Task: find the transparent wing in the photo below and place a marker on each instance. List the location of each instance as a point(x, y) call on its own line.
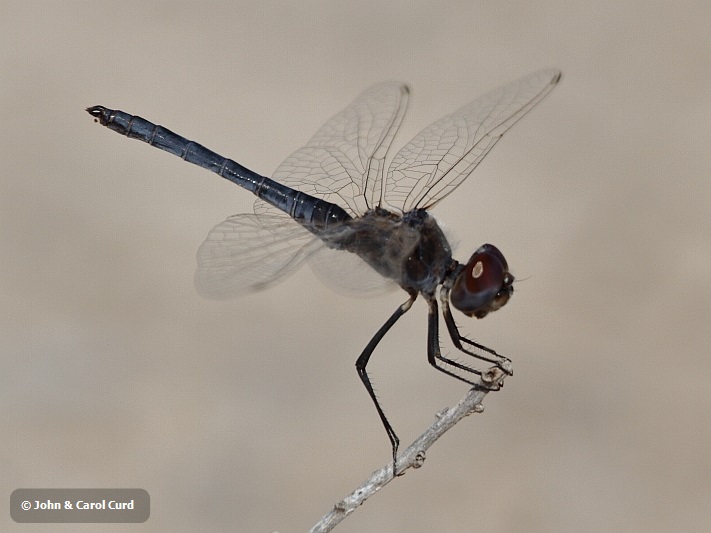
point(442, 155)
point(248, 253)
point(344, 162)
point(346, 273)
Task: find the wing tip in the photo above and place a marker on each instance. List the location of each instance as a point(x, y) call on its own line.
point(555, 75)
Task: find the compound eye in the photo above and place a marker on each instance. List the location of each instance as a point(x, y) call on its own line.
point(484, 285)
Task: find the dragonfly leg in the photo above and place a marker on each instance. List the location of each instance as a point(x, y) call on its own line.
point(434, 353)
point(362, 362)
point(504, 363)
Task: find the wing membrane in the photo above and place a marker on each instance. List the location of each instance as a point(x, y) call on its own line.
point(247, 253)
point(344, 162)
point(442, 155)
point(348, 274)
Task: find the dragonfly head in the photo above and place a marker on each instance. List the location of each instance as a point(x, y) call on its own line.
point(484, 285)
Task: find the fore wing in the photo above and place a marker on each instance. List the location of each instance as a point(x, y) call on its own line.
point(442, 155)
point(344, 162)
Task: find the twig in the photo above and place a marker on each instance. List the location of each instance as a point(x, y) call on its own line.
point(414, 455)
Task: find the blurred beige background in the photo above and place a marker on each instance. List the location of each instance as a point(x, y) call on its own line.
point(248, 415)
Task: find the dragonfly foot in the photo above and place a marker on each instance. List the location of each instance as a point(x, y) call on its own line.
point(505, 366)
point(493, 379)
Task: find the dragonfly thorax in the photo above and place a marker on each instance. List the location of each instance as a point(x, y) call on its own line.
point(409, 249)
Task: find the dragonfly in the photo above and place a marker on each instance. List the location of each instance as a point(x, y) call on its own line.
point(335, 202)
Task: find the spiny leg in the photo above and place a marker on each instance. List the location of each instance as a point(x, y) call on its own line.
point(434, 353)
point(502, 362)
point(362, 362)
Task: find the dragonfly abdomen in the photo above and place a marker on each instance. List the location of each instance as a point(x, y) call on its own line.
point(311, 212)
